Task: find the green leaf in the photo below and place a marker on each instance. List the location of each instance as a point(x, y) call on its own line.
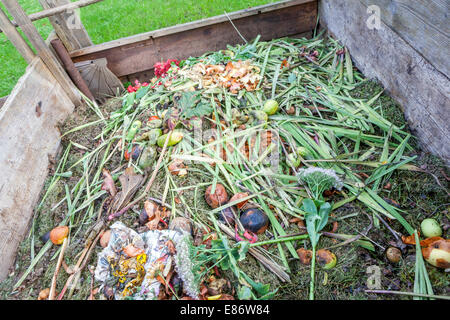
point(192, 106)
point(130, 98)
point(324, 212)
point(309, 206)
point(245, 293)
point(142, 92)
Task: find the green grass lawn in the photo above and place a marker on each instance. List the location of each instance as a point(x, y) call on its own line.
point(114, 19)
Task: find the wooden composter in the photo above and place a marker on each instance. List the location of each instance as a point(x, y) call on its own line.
point(403, 44)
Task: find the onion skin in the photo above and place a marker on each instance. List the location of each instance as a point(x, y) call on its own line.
point(104, 240)
point(131, 251)
point(58, 234)
point(254, 220)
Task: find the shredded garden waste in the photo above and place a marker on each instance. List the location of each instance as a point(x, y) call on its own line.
point(242, 152)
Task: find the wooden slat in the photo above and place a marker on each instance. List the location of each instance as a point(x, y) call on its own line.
point(67, 23)
point(69, 6)
point(190, 25)
point(42, 49)
point(16, 39)
point(28, 125)
point(424, 24)
point(3, 100)
point(288, 18)
point(420, 88)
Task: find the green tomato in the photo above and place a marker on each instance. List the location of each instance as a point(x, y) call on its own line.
point(431, 228)
point(270, 107)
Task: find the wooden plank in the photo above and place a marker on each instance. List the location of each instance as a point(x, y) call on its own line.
point(421, 89)
point(28, 125)
point(16, 39)
point(67, 23)
point(190, 25)
point(3, 100)
point(42, 49)
point(424, 24)
point(69, 6)
point(140, 56)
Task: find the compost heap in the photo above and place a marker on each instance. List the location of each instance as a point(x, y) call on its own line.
point(276, 144)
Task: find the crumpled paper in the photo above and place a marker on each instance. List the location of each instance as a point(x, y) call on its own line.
point(136, 277)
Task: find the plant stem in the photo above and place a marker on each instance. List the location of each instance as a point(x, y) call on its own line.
point(261, 243)
point(313, 267)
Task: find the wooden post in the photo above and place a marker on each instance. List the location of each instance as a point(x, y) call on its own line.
point(68, 26)
point(42, 49)
point(16, 39)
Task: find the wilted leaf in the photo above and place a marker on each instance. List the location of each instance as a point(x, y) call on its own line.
point(130, 182)
point(108, 183)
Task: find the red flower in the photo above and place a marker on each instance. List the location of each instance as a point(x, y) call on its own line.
point(162, 68)
point(131, 89)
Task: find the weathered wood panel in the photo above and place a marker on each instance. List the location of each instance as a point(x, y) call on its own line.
point(424, 24)
point(68, 25)
point(421, 89)
point(42, 49)
point(28, 122)
point(2, 101)
point(139, 53)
